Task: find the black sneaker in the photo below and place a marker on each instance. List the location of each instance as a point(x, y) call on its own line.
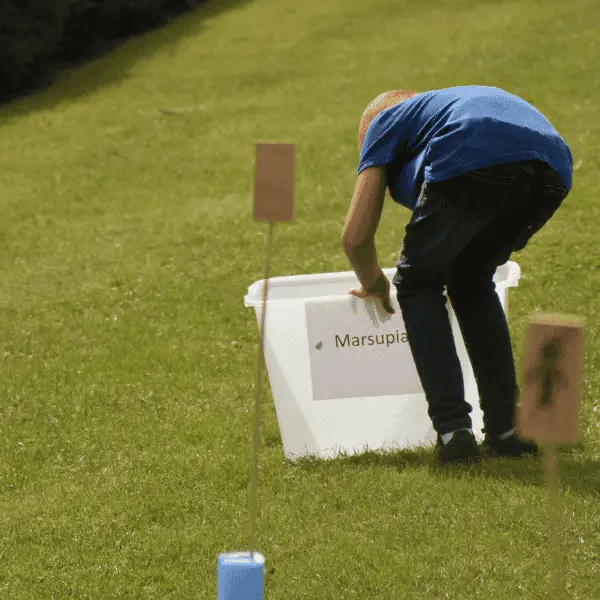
point(512, 446)
point(461, 448)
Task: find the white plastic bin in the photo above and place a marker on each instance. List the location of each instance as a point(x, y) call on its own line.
point(341, 372)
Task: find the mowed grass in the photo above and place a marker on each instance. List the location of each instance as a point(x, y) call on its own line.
point(128, 358)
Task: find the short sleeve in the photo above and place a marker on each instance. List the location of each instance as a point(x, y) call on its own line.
point(384, 138)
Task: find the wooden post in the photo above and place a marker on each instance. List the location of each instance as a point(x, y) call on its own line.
point(241, 575)
point(273, 201)
point(549, 410)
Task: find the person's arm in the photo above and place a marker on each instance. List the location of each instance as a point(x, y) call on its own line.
point(362, 221)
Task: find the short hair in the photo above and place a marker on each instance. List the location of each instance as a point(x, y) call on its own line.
point(381, 102)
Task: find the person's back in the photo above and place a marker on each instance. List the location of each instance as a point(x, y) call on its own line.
point(440, 134)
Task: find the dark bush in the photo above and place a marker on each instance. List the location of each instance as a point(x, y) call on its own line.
point(85, 26)
point(30, 33)
point(92, 22)
point(36, 33)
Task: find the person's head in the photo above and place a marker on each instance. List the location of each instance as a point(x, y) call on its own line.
point(381, 102)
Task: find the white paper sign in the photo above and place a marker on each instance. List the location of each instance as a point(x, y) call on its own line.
point(356, 351)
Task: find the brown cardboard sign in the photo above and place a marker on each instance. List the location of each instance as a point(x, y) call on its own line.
point(274, 182)
point(549, 410)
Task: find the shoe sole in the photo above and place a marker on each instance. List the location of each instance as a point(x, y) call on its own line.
point(460, 461)
point(492, 455)
point(469, 458)
point(490, 452)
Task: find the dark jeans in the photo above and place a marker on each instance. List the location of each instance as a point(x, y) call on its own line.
point(460, 231)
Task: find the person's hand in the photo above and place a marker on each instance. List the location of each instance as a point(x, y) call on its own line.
point(379, 289)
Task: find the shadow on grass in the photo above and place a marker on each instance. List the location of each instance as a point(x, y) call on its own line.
point(70, 81)
point(576, 471)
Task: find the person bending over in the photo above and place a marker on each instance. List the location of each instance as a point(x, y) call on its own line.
point(483, 171)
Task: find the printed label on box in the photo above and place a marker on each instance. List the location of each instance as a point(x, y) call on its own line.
point(357, 351)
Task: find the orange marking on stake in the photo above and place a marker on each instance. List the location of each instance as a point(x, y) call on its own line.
point(274, 182)
point(549, 411)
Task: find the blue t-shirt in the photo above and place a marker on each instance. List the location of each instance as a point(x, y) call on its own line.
point(441, 134)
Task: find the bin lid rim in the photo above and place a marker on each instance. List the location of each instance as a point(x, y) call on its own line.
point(513, 273)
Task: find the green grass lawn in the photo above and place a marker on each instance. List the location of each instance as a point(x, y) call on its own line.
point(128, 358)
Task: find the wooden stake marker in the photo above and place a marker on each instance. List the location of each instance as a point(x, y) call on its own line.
point(549, 410)
point(241, 575)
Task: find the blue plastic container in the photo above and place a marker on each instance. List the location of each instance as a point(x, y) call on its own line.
point(241, 576)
